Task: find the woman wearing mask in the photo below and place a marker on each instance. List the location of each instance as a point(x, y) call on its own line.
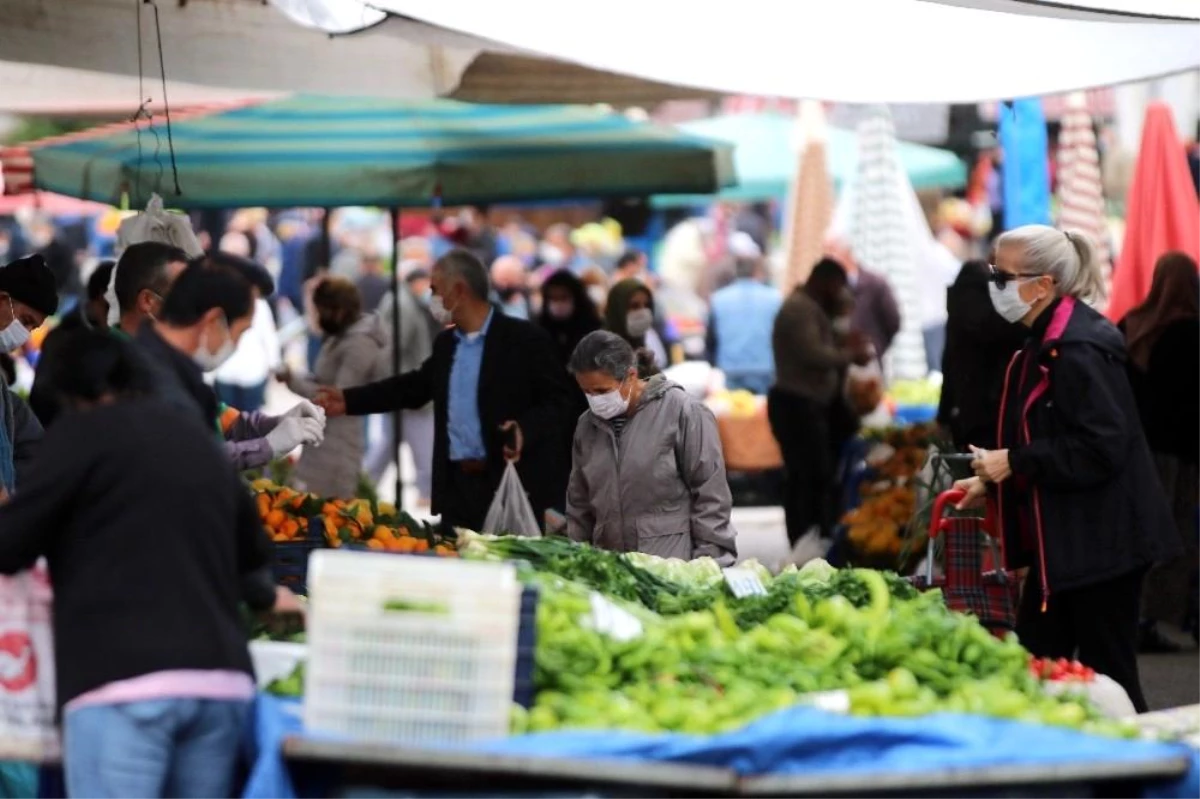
point(1163, 335)
point(648, 473)
point(630, 314)
point(1072, 477)
point(568, 313)
point(354, 352)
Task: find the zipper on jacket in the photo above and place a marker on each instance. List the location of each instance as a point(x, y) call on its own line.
point(1037, 526)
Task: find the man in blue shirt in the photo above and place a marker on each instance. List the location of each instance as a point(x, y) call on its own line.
point(499, 392)
point(739, 328)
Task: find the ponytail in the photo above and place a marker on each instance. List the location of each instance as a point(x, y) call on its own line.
point(1087, 283)
point(646, 365)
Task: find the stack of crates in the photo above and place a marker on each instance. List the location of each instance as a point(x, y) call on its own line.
point(411, 650)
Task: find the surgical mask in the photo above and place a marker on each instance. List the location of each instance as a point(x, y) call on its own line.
point(208, 360)
point(517, 309)
point(552, 255)
point(841, 325)
point(639, 322)
point(1007, 301)
point(560, 309)
point(441, 314)
point(15, 335)
point(608, 405)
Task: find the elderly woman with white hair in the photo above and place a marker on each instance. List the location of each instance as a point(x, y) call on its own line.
point(648, 470)
point(1072, 479)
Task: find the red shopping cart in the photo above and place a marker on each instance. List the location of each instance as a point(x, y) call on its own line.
point(974, 578)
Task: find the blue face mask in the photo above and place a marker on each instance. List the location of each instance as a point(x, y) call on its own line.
point(517, 308)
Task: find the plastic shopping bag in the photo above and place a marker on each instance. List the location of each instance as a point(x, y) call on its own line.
point(511, 513)
point(27, 696)
point(153, 224)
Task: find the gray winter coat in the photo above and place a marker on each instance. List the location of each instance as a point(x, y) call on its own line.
point(662, 489)
point(353, 358)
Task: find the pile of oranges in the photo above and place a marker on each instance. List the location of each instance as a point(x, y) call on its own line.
point(284, 513)
point(357, 521)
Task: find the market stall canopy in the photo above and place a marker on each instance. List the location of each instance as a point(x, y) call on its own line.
point(901, 50)
point(766, 149)
point(1115, 10)
point(313, 150)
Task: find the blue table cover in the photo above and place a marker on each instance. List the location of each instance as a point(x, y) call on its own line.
point(795, 741)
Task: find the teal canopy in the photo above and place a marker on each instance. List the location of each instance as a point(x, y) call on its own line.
point(323, 151)
point(765, 158)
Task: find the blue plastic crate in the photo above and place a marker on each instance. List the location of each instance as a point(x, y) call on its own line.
point(524, 691)
point(915, 414)
point(289, 562)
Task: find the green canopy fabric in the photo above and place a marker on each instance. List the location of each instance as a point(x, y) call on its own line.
point(765, 159)
point(320, 151)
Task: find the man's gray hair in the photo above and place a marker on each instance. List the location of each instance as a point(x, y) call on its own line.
point(602, 351)
point(463, 265)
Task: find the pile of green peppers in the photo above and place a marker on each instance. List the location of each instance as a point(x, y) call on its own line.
point(896, 652)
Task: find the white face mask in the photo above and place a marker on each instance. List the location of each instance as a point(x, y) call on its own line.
point(552, 255)
point(560, 309)
point(15, 335)
point(1008, 302)
point(208, 360)
point(608, 405)
point(441, 314)
point(639, 322)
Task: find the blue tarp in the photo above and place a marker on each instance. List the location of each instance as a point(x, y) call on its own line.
point(796, 741)
point(1025, 170)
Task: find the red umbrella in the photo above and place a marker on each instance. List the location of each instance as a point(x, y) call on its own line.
point(1161, 211)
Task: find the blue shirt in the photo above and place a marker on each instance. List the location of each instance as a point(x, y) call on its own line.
point(462, 412)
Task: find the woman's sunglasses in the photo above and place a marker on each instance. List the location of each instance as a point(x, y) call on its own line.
point(1001, 279)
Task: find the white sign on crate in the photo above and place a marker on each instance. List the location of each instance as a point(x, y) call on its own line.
point(615, 622)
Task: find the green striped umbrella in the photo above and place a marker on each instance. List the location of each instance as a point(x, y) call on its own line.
point(323, 151)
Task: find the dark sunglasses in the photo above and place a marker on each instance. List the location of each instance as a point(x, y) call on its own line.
point(1001, 279)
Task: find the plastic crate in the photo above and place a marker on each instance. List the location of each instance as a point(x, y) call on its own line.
point(437, 667)
point(915, 414)
point(290, 561)
point(275, 660)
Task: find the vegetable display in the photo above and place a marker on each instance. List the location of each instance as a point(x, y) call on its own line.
point(700, 660)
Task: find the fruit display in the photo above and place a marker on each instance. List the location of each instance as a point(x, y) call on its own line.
point(740, 404)
point(284, 511)
point(702, 670)
point(875, 528)
point(1061, 670)
point(915, 392)
point(378, 525)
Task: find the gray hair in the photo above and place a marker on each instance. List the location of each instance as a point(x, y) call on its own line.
point(602, 351)
point(1069, 257)
point(462, 265)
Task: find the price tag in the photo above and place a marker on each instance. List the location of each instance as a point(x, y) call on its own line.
point(613, 621)
point(743, 582)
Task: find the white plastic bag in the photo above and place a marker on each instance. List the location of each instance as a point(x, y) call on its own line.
point(27, 697)
point(511, 513)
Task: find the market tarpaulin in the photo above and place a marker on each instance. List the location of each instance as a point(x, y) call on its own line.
point(810, 201)
point(1025, 171)
point(879, 216)
point(1080, 193)
point(766, 151)
point(315, 150)
point(1161, 211)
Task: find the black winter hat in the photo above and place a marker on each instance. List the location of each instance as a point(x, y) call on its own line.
point(30, 282)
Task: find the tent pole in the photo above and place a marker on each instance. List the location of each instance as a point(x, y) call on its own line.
point(397, 415)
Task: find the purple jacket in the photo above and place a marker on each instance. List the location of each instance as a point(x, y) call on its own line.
point(245, 440)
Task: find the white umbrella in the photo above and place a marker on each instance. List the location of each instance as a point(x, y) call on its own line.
point(1080, 193)
point(879, 216)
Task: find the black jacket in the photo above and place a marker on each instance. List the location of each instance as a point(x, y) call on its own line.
point(1168, 392)
point(41, 395)
point(520, 379)
point(979, 344)
point(1084, 490)
point(146, 528)
point(178, 381)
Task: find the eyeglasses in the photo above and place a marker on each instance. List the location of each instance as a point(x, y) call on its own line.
point(1001, 279)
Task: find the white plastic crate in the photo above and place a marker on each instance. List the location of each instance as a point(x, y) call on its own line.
point(436, 668)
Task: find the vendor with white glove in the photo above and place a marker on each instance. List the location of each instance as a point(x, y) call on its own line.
point(198, 325)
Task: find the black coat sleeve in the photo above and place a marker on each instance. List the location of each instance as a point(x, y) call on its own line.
point(1094, 423)
point(549, 417)
point(46, 495)
point(253, 550)
point(403, 392)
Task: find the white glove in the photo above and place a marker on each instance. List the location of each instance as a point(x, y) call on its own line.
point(306, 410)
point(291, 433)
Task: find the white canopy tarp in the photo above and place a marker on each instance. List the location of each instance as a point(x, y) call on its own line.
point(860, 51)
point(1092, 9)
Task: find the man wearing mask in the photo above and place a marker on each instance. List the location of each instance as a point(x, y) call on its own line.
point(498, 392)
point(213, 311)
point(810, 358)
point(28, 295)
point(508, 278)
